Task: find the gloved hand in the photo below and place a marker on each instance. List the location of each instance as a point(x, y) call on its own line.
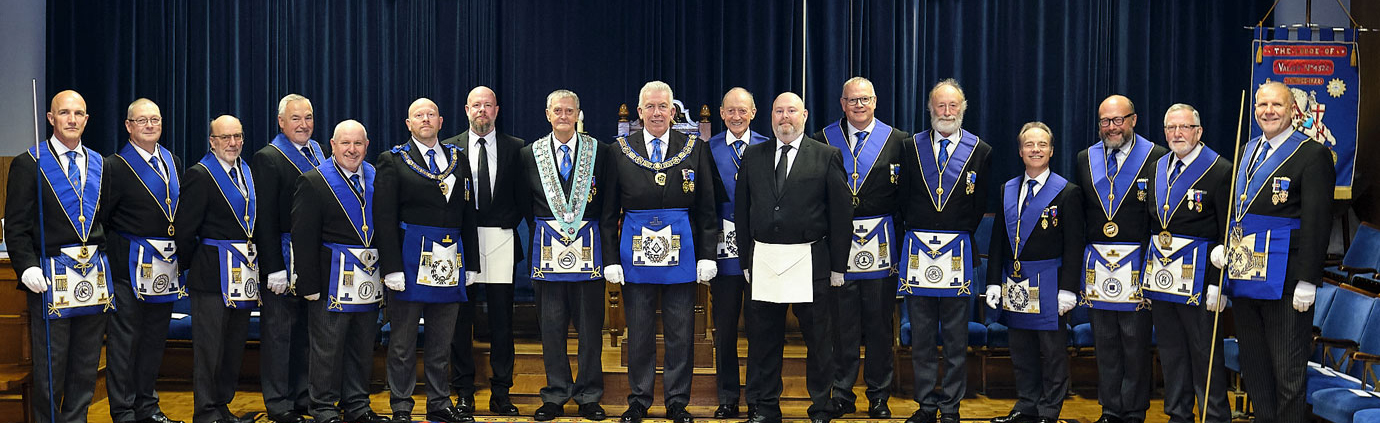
point(470, 277)
point(1304, 293)
point(614, 273)
point(1214, 301)
point(395, 281)
point(313, 297)
point(707, 270)
point(993, 296)
point(1218, 256)
point(747, 275)
point(1066, 301)
point(34, 279)
point(278, 282)
point(835, 279)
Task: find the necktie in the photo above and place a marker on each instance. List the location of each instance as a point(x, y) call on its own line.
point(354, 183)
point(431, 162)
point(943, 152)
point(1029, 193)
point(153, 161)
point(857, 145)
point(311, 158)
point(738, 148)
point(485, 192)
point(782, 165)
point(1259, 159)
point(566, 165)
point(73, 174)
point(1111, 163)
point(656, 150)
point(1178, 167)
point(235, 179)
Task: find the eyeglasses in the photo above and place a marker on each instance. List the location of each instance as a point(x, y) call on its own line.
point(1176, 128)
point(1114, 121)
point(236, 137)
point(146, 121)
point(860, 101)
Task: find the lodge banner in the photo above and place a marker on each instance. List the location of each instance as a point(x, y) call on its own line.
point(1321, 67)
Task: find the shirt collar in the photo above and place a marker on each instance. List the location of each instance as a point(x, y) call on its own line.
point(795, 144)
point(665, 138)
point(953, 138)
point(729, 138)
point(556, 142)
point(488, 138)
point(144, 154)
point(1188, 159)
point(871, 126)
point(347, 173)
point(1279, 139)
point(1041, 178)
point(62, 149)
point(422, 148)
point(228, 165)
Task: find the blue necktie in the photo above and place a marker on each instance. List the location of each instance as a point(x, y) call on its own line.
point(73, 174)
point(738, 148)
point(857, 146)
point(1259, 159)
point(153, 161)
point(431, 161)
point(943, 152)
point(235, 179)
point(354, 183)
point(1029, 194)
point(656, 150)
point(311, 158)
point(1178, 167)
point(566, 165)
point(1111, 164)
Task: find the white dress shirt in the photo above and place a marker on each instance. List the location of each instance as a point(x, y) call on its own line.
point(790, 157)
point(441, 163)
point(65, 161)
point(491, 155)
point(1039, 185)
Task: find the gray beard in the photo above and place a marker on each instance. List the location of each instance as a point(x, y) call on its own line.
point(1108, 143)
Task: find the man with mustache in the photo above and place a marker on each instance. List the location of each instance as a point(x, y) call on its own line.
point(1188, 208)
point(494, 163)
point(866, 298)
point(283, 325)
point(949, 166)
point(1115, 174)
point(215, 223)
point(792, 207)
point(667, 243)
point(1278, 235)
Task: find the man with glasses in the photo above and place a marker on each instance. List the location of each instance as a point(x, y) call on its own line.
point(142, 199)
point(215, 224)
point(283, 325)
point(493, 161)
point(865, 301)
point(1115, 173)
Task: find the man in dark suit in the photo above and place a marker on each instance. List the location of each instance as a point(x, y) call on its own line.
point(728, 290)
point(427, 245)
point(1036, 251)
point(1273, 288)
point(61, 263)
point(1188, 209)
point(667, 243)
point(283, 325)
point(493, 162)
point(142, 197)
point(949, 166)
point(793, 207)
point(1115, 174)
point(333, 229)
point(568, 191)
point(215, 223)
point(866, 302)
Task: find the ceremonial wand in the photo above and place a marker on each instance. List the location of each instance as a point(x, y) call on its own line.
point(1222, 276)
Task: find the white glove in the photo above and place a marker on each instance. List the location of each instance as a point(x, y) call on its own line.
point(835, 279)
point(1304, 294)
point(34, 279)
point(707, 269)
point(278, 282)
point(747, 275)
point(313, 297)
point(395, 281)
point(1066, 301)
point(1218, 256)
point(993, 296)
point(614, 273)
point(1215, 302)
point(470, 277)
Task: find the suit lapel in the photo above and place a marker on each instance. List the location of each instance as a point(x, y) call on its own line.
point(638, 144)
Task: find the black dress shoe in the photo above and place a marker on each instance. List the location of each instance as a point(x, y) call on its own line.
point(449, 415)
point(1044, 420)
point(634, 414)
point(592, 411)
point(1107, 419)
point(877, 409)
point(921, 416)
point(820, 418)
point(757, 418)
point(842, 408)
point(678, 414)
point(726, 411)
point(159, 418)
point(335, 419)
point(465, 404)
point(501, 405)
point(402, 417)
point(287, 417)
point(548, 411)
point(371, 417)
point(1014, 417)
point(752, 411)
point(948, 418)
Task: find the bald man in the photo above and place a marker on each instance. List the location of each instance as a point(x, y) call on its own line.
point(62, 265)
point(427, 240)
point(338, 273)
point(215, 229)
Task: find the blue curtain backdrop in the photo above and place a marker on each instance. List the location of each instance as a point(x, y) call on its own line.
point(367, 60)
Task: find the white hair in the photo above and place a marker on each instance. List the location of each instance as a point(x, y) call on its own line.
point(282, 104)
point(1197, 120)
point(655, 86)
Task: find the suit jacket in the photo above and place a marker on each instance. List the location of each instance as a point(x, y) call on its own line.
point(317, 219)
point(275, 179)
point(503, 211)
point(815, 206)
point(133, 210)
point(1062, 241)
point(878, 195)
point(403, 195)
point(202, 212)
point(21, 216)
point(1310, 200)
point(1209, 221)
point(963, 211)
point(602, 205)
point(639, 191)
point(1130, 217)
